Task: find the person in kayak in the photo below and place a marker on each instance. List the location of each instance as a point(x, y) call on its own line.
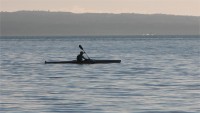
point(80, 57)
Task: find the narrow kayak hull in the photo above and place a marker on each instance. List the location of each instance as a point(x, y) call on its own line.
point(84, 62)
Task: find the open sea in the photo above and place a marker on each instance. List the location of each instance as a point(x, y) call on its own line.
point(158, 74)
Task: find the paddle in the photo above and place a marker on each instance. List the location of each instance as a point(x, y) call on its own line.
point(84, 51)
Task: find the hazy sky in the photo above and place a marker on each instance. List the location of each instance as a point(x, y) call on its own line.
point(177, 7)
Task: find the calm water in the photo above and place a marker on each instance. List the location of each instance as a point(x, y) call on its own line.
point(158, 74)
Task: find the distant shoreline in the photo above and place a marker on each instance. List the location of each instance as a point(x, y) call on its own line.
point(44, 23)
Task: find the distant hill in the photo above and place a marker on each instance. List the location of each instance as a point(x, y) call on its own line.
point(41, 23)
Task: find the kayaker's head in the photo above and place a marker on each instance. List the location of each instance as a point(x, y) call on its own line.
point(81, 53)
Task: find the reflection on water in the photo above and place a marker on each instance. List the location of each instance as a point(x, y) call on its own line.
point(155, 75)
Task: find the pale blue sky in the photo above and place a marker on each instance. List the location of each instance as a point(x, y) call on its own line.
point(176, 7)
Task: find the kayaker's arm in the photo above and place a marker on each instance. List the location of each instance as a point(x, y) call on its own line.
point(83, 51)
point(84, 58)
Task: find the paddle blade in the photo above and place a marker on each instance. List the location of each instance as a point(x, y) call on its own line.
point(80, 47)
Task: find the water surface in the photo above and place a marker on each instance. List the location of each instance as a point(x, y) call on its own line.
point(158, 74)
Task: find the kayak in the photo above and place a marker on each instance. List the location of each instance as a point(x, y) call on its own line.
point(84, 62)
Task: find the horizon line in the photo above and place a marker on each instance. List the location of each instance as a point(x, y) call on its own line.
point(99, 35)
point(97, 12)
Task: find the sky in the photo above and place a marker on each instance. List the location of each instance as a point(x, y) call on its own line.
point(175, 7)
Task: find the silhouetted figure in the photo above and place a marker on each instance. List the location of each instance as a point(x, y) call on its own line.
point(80, 57)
